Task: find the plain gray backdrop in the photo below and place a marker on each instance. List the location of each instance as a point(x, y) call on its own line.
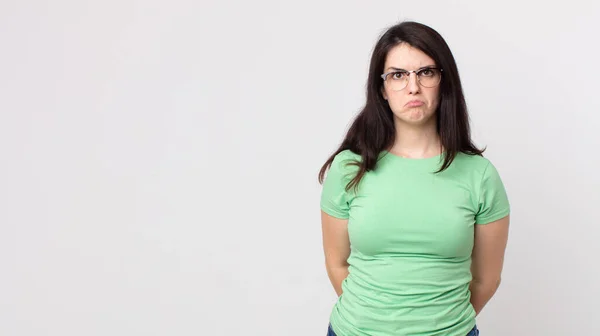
point(159, 159)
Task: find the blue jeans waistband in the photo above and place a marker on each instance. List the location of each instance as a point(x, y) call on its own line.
point(473, 332)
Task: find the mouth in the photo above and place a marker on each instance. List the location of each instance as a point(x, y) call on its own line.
point(415, 103)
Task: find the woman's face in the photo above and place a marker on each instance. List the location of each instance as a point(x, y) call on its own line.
point(415, 103)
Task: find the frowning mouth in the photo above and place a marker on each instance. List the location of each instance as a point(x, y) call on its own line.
point(415, 103)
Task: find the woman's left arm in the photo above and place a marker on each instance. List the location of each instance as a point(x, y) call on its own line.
point(487, 261)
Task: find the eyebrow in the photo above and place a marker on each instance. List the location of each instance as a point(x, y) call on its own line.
point(400, 69)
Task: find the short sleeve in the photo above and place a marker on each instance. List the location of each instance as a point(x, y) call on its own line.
point(335, 200)
point(493, 199)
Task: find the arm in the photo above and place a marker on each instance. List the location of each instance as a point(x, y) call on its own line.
point(487, 261)
point(336, 246)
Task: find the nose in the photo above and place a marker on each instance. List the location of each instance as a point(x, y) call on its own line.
point(413, 84)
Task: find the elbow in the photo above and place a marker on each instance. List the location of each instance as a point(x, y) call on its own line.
point(334, 261)
point(492, 284)
point(335, 264)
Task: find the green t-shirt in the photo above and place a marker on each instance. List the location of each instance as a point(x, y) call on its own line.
point(411, 236)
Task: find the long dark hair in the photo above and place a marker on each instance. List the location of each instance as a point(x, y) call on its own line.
point(373, 130)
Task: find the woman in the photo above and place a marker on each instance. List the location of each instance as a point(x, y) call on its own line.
point(415, 220)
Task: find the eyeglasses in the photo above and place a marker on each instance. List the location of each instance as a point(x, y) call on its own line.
point(398, 79)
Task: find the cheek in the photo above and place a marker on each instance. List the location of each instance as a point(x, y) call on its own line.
point(395, 101)
point(386, 93)
point(434, 103)
point(434, 99)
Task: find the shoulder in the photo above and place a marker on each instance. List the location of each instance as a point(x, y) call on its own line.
point(478, 170)
point(345, 159)
point(476, 164)
point(472, 159)
point(343, 167)
point(347, 154)
point(481, 171)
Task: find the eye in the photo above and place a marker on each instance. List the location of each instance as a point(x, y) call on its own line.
point(426, 72)
point(398, 75)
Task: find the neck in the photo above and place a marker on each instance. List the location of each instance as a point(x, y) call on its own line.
point(417, 142)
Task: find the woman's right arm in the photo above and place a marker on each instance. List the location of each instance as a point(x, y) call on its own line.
point(336, 246)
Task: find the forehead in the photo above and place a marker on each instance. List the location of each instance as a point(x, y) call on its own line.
point(406, 57)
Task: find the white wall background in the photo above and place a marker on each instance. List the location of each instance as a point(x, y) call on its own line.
point(159, 159)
